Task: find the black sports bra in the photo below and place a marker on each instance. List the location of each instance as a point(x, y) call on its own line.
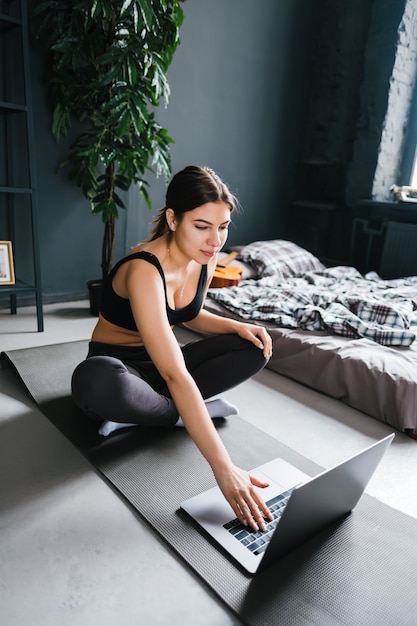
point(118, 311)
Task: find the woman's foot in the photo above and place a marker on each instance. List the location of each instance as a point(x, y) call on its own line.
point(221, 408)
point(217, 408)
point(108, 427)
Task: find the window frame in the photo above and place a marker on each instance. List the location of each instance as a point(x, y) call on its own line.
point(408, 170)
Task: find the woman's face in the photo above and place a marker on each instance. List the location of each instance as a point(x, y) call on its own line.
point(202, 232)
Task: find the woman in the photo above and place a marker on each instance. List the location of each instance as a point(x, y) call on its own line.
point(137, 374)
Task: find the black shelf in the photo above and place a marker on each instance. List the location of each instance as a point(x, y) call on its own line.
point(9, 107)
point(8, 22)
point(16, 190)
point(19, 286)
point(18, 201)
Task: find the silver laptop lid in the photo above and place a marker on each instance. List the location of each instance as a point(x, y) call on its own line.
point(323, 499)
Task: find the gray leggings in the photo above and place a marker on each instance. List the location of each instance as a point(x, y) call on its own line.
point(123, 385)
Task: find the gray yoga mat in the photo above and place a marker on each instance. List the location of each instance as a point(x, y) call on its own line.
point(360, 571)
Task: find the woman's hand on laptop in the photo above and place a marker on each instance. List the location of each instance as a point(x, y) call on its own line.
point(239, 489)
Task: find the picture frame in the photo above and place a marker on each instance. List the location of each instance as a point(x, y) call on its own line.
point(7, 276)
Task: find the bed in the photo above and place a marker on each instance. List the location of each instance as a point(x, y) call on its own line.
point(350, 336)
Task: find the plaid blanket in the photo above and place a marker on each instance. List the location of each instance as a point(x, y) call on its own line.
point(337, 300)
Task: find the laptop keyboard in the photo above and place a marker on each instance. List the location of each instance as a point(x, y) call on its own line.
point(257, 541)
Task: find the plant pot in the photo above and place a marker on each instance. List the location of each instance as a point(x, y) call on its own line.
point(95, 289)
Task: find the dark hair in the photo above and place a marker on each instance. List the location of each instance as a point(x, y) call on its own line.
point(189, 189)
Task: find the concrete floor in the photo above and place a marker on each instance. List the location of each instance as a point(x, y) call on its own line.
point(73, 553)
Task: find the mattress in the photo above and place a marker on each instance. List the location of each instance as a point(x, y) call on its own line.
point(378, 380)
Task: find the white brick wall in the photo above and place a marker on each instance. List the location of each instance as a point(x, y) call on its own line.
point(398, 109)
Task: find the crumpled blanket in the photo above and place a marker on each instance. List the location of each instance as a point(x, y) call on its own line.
point(338, 300)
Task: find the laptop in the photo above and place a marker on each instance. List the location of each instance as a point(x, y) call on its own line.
point(302, 506)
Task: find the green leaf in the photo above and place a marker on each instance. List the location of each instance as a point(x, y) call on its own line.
point(125, 7)
point(124, 122)
point(132, 70)
point(145, 195)
point(95, 8)
point(147, 13)
point(136, 23)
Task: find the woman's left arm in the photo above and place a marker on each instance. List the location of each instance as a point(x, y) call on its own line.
point(212, 324)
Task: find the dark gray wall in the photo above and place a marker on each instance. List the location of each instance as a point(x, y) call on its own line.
point(235, 85)
point(236, 100)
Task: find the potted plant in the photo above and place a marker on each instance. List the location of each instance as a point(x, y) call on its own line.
point(107, 63)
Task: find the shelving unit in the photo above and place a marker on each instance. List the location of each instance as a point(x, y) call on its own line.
point(18, 205)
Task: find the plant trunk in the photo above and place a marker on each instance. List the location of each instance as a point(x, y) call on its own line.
point(108, 246)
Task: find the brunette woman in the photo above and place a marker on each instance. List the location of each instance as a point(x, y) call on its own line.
point(136, 373)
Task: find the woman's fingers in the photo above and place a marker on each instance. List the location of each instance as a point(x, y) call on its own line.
point(260, 503)
point(266, 342)
point(253, 516)
point(253, 512)
point(244, 499)
point(263, 340)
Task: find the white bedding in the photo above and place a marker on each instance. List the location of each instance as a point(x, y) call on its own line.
point(349, 336)
point(337, 300)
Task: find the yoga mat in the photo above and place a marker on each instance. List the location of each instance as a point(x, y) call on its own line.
point(358, 571)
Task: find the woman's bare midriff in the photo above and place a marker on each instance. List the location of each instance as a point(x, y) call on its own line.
point(106, 332)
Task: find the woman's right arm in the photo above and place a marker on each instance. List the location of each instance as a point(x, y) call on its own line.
point(149, 311)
